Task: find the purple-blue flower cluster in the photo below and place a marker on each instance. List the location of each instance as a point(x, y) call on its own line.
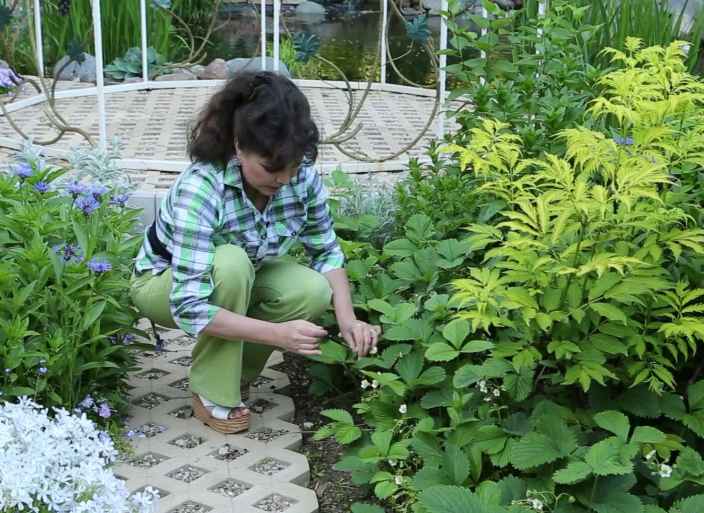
point(8, 78)
point(623, 141)
point(41, 187)
point(99, 266)
point(69, 252)
point(23, 170)
point(88, 204)
point(119, 200)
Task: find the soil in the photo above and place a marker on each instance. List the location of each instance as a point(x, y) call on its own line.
point(334, 488)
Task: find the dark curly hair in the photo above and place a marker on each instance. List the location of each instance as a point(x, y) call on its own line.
point(265, 113)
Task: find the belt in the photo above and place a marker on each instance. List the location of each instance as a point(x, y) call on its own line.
point(157, 246)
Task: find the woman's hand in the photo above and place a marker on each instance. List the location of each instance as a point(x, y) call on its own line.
point(301, 337)
point(360, 336)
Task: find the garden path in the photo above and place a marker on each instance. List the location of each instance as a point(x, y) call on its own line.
point(198, 470)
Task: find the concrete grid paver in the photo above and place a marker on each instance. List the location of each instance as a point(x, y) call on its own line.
point(260, 466)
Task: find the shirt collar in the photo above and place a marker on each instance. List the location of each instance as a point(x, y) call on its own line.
point(233, 174)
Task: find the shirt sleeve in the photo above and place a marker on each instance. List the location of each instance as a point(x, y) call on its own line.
point(318, 235)
point(194, 215)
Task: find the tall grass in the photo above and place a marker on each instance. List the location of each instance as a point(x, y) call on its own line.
point(654, 21)
point(121, 30)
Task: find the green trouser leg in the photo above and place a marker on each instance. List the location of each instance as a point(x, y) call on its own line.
point(279, 291)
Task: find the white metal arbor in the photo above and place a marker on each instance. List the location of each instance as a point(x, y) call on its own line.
point(100, 90)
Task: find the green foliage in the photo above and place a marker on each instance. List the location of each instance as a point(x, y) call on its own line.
point(533, 74)
point(130, 65)
point(544, 359)
point(65, 319)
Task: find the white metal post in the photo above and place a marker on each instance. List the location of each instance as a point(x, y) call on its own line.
point(263, 32)
point(541, 14)
point(38, 37)
point(485, 15)
point(98, 41)
point(384, 22)
point(277, 33)
point(443, 69)
point(143, 20)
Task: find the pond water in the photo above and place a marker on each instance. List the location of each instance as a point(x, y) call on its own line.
point(350, 41)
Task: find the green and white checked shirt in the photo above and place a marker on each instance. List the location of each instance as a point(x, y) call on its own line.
point(207, 207)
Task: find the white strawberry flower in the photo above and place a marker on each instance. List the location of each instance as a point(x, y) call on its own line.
point(398, 480)
point(403, 409)
point(365, 384)
point(375, 384)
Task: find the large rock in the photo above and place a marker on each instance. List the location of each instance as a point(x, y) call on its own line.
point(254, 64)
point(310, 8)
point(85, 72)
point(216, 70)
point(182, 74)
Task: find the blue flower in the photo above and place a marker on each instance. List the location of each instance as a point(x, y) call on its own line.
point(23, 170)
point(120, 200)
point(128, 339)
point(104, 410)
point(98, 191)
point(42, 370)
point(623, 141)
point(99, 266)
point(76, 188)
point(87, 402)
point(87, 203)
point(41, 187)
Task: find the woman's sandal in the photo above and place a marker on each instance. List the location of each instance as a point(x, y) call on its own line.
point(217, 417)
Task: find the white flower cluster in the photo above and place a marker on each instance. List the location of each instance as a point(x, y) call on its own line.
point(490, 392)
point(60, 464)
point(662, 470)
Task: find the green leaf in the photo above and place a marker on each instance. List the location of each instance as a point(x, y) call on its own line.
point(98, 365)
point(574, 472)
point(346, 434)
point(338, 415)
point(381, 306)
point(456, 331)
point(608, 457)
point(382, 441)
point(533, 450)
point(611, 312)
point(441, 352)
point(400, 248)
point(431, 376)
point(647, 435)
point(617, 502)
point(690, 462)
point(359, 507)
point(410, 366)
point(453, 499)
point(693, 504)
point(456, 464)
point(614, 422)
point(477, 346)
point(385, 489)
point(92, 314)
point(419, 228)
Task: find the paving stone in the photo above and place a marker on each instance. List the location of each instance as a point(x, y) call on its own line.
point(198, 469)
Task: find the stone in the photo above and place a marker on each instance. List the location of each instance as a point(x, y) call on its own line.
point(85, 71)
point(310, 8)
point(4, 64)
point(216, 70)
point(254, 64)
point(133, 80)
point(197, 70)
point(182, 74)
point(432, 6)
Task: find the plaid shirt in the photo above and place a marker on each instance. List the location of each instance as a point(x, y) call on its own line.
point(207, 207)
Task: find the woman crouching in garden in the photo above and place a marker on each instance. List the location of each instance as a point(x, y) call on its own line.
point(210, 262)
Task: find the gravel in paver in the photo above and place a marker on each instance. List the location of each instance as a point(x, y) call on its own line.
point(150, 429)
point(183, 340)
point(182, 412)
point(162, 493)
point(231, 488)
point(183, 361)
point(266, 434)
point(152, 373)
point(275, 503)
point(191, 507)
point(260, 405)
point(269, 466)
point(261, 381)
point(147, 460)
point(227, 452)
point(187, 473)
point(187, 441)
point(150, 400)
point(181, 384)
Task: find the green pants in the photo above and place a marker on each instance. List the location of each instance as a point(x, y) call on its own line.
point(279, 291)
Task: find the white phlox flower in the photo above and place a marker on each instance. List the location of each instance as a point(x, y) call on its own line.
point(60, 464)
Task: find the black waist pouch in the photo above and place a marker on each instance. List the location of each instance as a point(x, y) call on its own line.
point(157, 246)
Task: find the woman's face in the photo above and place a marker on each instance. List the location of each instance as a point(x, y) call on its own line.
point(259, 177)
